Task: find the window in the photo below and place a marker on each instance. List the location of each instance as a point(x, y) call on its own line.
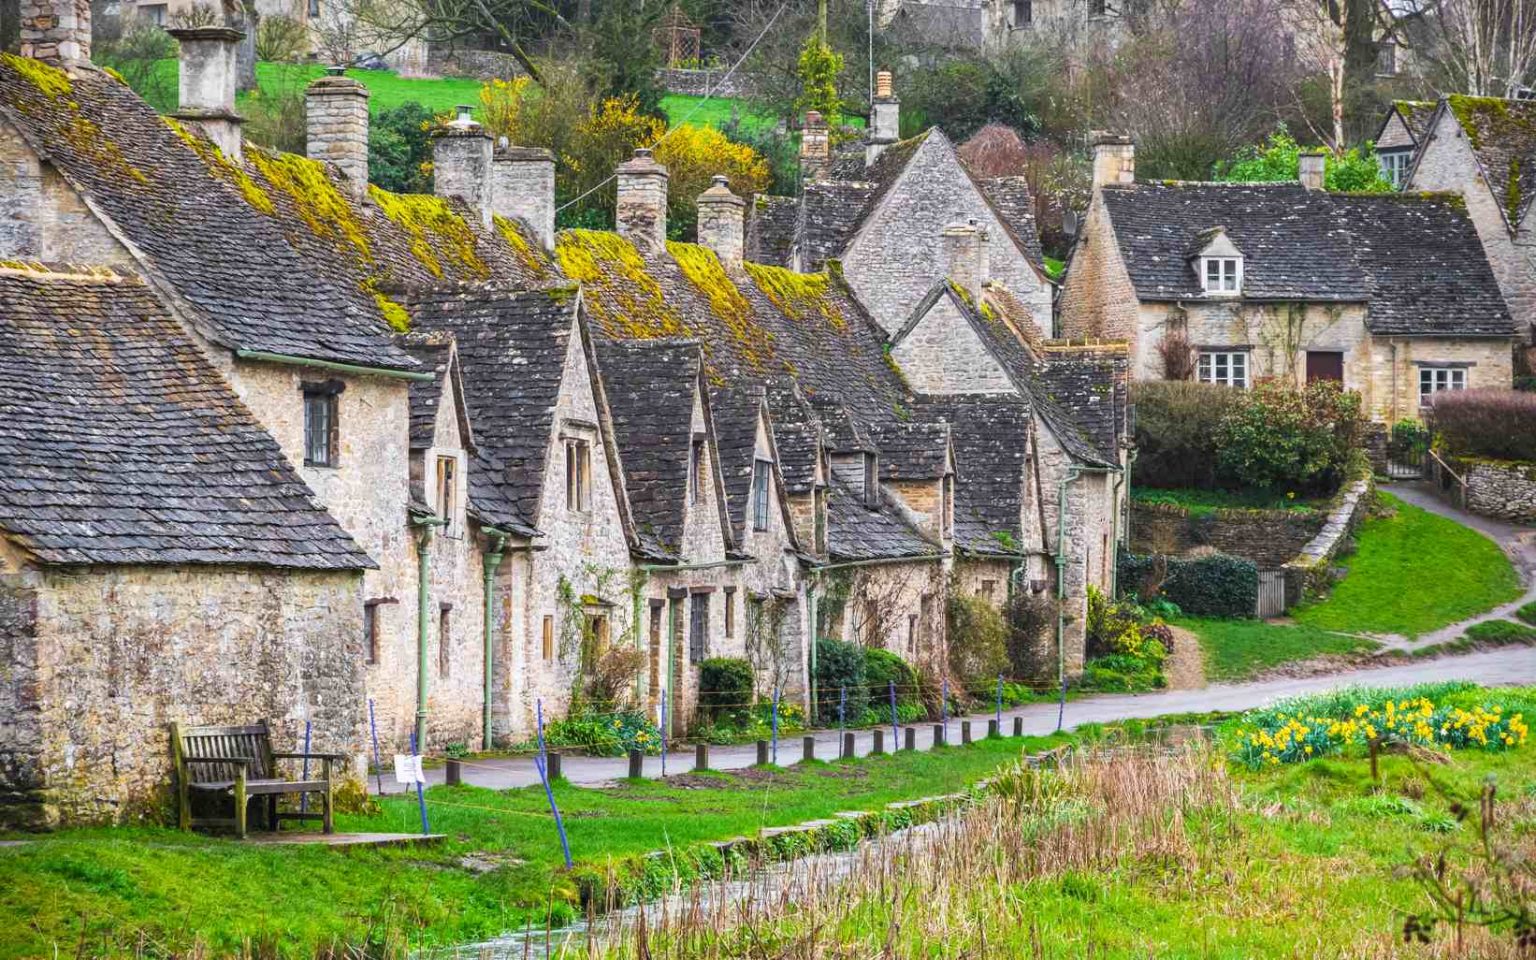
point(730, 612)
point(696, 471)
point(371, 630)
point(1223, 274)
point(444, 638)
point(154, 13)
point(548, 650)
point(1097, 8)
point(578, 475)
point(594, 636)
point(762, 473)
point(1023, 13)
point(314, 8)
point(1394, 165)
point(1433, 380)
point(819, 520)
point(698, 634)
point(871, 480)
point(320, 424)
point(947, 507)
point(989, 589)
point(447, 492)
point(1386, 59)
point(911, 633)
point(1226, 367)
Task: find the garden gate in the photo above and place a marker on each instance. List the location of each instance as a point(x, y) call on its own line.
point(1271, 593)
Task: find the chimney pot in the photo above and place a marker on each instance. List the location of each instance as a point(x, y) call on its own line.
point(883, 84)
point(722, 221)
point(208, 73)
point(1312, 166)
point(523, 188)
point(336, 127)
point(1114, 159)
point(642, 201)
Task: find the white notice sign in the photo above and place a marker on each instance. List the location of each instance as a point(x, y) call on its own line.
point(408, 770)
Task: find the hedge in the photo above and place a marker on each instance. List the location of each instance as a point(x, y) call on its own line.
point(1212, 586)
point(1176, 426)
point(881, 669)
point(1496, 424)
point(840, 665)
point(725, 685)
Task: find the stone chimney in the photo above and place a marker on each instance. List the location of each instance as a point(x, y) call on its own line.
point(1114, 159)
point(815, 148)
point(967, 260)
point(523, 188)
point(722, 221)
point(208, 75)
point(336, 126)
point(642, 201)
point(884, 118)
point(1312, 165)
point(461, 164)
point(57, 31)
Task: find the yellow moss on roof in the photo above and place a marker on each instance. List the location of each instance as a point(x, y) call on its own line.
point(221, 166)
point(798, 295)
point(394, 314)
point(421, 214)
point(511, 233)
point(628, 301)
point(316, 200)
point(702, 268)
point(50, 81)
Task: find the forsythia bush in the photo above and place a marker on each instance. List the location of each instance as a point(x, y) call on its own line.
point(692, 155)
point(1278, 737)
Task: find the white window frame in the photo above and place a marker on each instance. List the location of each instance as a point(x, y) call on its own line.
point(1394, 166)
point(1228, 278)
point(1229, 368)
point(762, 497)
point(1433, 380)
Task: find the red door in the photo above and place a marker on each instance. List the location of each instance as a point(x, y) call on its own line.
point(1325, 365)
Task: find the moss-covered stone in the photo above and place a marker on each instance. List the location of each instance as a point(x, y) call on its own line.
point(224, 169)
point(633, 307)
point(426, 218)
point(316, 201)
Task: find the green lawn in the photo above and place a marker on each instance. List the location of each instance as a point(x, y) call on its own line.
point(1202, 503)
point(1413, 572)
point(1239, 649)
point(387, 90)
point(110, 885)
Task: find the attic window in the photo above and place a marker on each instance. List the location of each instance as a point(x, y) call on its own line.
point(871, 480)
point(320, 403)
point(447, 493)
point(1394, 165)
point(578, 475)
point(1222, 275)
point(696, 471)
point(762, 472)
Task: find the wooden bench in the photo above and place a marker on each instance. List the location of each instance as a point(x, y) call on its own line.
point(239, 761)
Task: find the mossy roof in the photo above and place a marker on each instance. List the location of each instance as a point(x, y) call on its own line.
point(1502, 134)
point(1416, 116)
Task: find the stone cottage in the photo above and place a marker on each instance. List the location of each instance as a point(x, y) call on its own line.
point(1389, 294)
point(1397, 139)
point(1484, 148)
point(160, 559)
point(882, 212)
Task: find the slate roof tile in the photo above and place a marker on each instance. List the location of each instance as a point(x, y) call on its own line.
point(736, 412)
point(990, 436)
point(797, 435)
point(120, 444)
point(771, 224)
point(858, 531)
point(1502, 134)
point(913, 450)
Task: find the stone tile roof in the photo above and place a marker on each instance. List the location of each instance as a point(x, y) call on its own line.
point(913, 450)
point(1091, 383)
point(736, 413)
point(1312, 246)
point(989, 433)
point(273, 254)
point(1502, 134)
point(512, 348)
point(651, 388)
point(796, 435)
point(755, 323)
point(771, 224)
point(840, 430)
point(1013, 203)
point(1416, 116)
point(435, 353)
point(857, 531)
point(829, 212)
point(120, 444)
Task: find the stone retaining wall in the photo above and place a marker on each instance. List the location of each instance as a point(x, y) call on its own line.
point(1309, 569)
point(1269, 538)
point(697, 83)
point(478, 64)
point(1503, 490)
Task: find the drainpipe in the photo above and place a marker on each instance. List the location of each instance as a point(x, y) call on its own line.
point(492, 561)
point(1073, 473)
point(423, 595)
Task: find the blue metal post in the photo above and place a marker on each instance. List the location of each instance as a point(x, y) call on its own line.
point(842, 707)
point(775, 726)
point(304, 798)
point(663, 733)
point(421, 799)
point(540, 762)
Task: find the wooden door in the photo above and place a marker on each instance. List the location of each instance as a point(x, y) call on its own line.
point(1325, 365)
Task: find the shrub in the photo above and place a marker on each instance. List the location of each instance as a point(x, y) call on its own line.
point(693, 155)
point(1279, 160)
point(606, 734)
point(881, 669)
point(839, 665)
point(1498, 424)
point(1287, 439)
point(978, 639)
point(1031, 620)
point(610, 680)
point(1176, 425)
point(400, 149)
point(1528, 613)
point(1408, 441)
point(1125, 652)
point(725, 685)
point(1211, 586)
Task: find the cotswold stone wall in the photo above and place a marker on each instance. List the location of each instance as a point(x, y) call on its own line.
point(943, 354)
point(1309, 569)
point(697, 83)
point(1503, 490)
point(1269, 538)
point(1097, 298)
point(98, 662)
point(42, 217)
point(478, 64)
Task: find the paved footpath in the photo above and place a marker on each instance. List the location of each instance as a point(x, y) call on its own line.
point(1515, 665)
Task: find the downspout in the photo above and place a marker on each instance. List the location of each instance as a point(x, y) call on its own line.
point(492, 562)
point(423, 596)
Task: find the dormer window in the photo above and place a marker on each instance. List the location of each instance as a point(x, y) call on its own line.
point(1223, 275)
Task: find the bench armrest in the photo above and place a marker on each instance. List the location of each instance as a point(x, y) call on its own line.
point(243, 761)
point(338, 757)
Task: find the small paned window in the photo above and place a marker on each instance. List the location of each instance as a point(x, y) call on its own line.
point(1433, 380)
point(698, 633)
point(1223, 275)
point(447, 492)
point(1226, 367)
point(578, 475)
point(547, 647)
point(1023, 13)
point(444, 639)
point(696, 471)
point(989, 589)
point(762, 473)
point(371, 631)
point(730, 612)
point(1394, 166)
point(320, 427)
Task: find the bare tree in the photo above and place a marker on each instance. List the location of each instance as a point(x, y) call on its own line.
point(384, 26)
point(1338, 38)
point(1486, 48)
